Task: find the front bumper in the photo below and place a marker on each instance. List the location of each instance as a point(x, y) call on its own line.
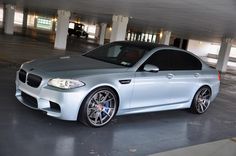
point(45, 98)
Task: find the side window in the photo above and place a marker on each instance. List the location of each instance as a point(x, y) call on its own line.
point(161, 59)
point(183, 61)
point(173, 60)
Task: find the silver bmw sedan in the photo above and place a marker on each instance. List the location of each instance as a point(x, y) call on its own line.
point(116, 79)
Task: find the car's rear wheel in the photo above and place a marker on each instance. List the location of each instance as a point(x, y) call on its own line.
point(201, 100)
point(99, 107)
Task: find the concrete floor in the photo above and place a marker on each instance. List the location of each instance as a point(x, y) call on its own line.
point(225, 147)
point(25, 132)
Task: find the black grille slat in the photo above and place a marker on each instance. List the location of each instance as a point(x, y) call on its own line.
point(34, 80)
point(22, 75)
point(31, 101)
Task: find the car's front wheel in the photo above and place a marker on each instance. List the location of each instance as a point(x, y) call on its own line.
point(201, 100)
point(99, 107)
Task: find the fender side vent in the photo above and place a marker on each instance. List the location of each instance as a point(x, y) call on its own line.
point(125, 81)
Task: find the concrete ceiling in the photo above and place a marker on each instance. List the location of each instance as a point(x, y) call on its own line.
point(199, 19)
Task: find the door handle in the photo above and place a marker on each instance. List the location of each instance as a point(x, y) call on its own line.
point(170, 76)
point(196, 75)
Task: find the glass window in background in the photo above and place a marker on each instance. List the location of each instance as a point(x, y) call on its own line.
point(18, 18)
point(44, 23)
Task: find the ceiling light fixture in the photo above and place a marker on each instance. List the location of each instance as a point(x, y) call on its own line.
point(54, 19)
point(161, 34)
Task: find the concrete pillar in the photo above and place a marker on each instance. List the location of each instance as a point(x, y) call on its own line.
point(119, 26)
point(62, 29)
point(102, 33)
point(223, 56)
point(25, 19)
point(165, 37)
point(9, 19)
point(97, 31)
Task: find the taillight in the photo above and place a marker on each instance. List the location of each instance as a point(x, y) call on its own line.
point(219, 76)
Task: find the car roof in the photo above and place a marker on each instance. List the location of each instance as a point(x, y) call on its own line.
point(142, 45)
point(76, 23)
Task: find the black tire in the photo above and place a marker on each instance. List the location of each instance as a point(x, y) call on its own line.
point(201, 100)
point(94, 112)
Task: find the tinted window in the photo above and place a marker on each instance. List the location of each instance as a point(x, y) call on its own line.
point(184, 61)
point(174, 60)
point(161, 60)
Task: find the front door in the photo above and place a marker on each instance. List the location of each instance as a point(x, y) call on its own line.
point(151, 89)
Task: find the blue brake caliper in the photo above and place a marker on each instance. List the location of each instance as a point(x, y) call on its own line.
point(106, 105)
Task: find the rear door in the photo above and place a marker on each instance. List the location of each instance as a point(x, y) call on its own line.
point(186, 73)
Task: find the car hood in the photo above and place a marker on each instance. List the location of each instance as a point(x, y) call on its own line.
point(72, 65)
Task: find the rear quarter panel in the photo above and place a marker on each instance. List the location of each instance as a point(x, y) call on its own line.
point(209, 77)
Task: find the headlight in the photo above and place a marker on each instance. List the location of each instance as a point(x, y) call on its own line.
point(65, 83)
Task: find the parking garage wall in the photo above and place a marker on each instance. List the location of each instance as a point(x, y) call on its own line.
point(209, 51)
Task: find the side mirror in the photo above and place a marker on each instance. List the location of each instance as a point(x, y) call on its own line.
point(151, 68)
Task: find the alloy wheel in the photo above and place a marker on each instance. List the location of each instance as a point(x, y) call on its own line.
point(203, 100)
point(101, 107)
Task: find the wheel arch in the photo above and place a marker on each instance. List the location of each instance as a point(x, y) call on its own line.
point(201, 86)
point(204, 85)
point(97, 87)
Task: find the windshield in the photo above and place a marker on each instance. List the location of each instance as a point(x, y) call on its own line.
point(118, 53)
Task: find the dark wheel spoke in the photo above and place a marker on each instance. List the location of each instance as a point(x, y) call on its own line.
point(109, 100)
point(204, 92)
point(95, 100)
point(92, 112)
point(206, 96)
point(98, 97)
point(206, 103)
point(96, 118)
point(105, 98)
point(100, 116)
